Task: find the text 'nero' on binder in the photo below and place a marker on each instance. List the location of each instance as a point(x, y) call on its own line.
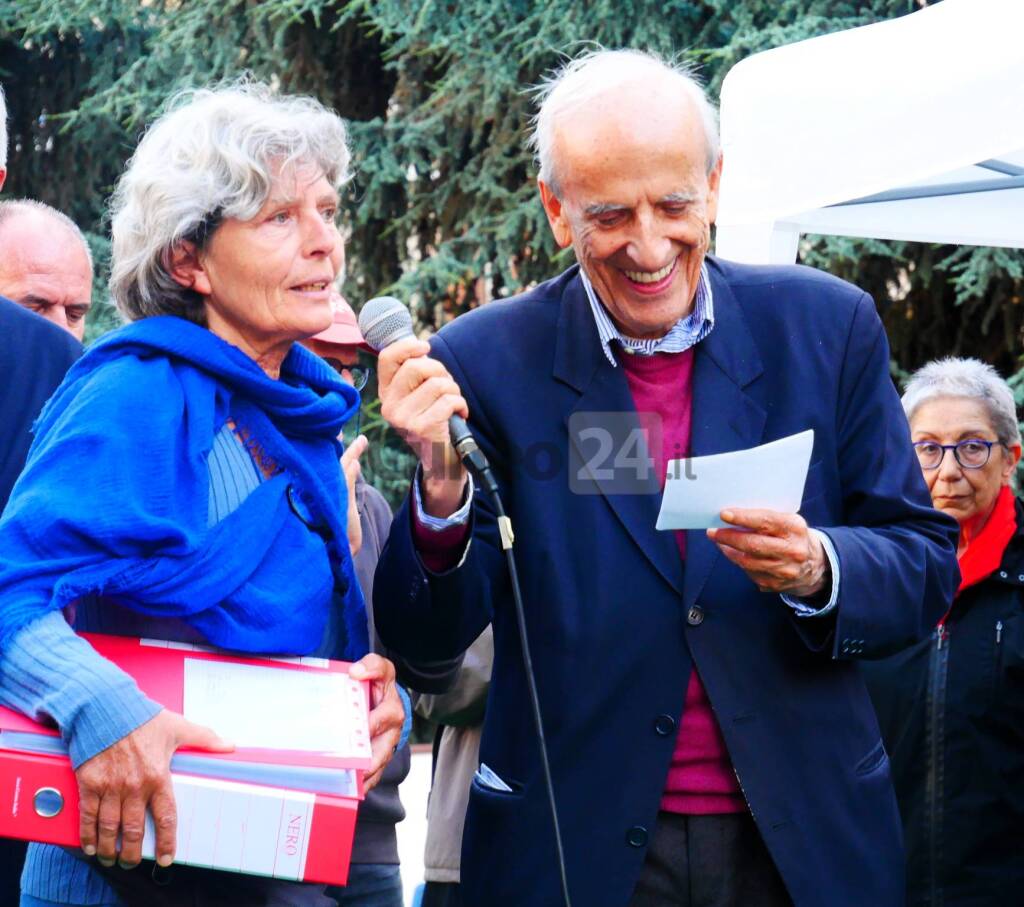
point(283, 804)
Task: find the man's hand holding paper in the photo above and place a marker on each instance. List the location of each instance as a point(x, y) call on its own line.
point(776, 550)
point(748, 501)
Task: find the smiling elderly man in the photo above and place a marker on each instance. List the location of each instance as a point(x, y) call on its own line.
point(710, 737)
point(45, 264)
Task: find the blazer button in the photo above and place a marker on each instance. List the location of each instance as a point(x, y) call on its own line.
point(664, 725)
point(695, 616)
point(636, 836)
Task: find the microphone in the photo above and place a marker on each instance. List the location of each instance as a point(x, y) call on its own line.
point(385, 320)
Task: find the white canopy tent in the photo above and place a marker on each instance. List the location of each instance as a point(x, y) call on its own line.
point(907, 129)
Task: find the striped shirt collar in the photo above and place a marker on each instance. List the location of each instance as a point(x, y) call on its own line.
point(686, 332)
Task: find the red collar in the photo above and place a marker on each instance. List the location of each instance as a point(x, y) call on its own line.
point(984, 555)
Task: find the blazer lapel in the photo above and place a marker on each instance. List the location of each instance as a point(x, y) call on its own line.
point(581, 363)
point(724, 416)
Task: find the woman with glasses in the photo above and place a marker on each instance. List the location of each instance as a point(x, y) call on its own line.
point(951, 708)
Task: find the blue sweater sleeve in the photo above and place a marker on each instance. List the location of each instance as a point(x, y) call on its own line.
point(47, 671)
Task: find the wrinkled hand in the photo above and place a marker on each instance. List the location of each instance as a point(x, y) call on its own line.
point(417, 397)
point(387, 714)
point(116, 787)
point(350, 466)
point(776, 551)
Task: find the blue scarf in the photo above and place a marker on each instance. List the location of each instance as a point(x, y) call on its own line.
point(114, 496)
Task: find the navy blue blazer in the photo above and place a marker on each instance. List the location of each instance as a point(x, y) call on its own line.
point(608, 598)
point(34, 356)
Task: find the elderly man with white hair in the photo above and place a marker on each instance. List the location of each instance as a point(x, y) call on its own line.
point(711, 740)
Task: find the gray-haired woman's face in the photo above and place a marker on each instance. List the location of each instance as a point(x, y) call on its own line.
point(269, 280)
point(968, 495)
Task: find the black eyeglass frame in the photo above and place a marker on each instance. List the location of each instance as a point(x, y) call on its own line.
point(956, 452)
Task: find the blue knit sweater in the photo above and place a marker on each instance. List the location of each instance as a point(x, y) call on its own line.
point(48, 669)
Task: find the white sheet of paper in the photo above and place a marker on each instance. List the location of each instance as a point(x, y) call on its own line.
point(256, 706)
point(771, 476)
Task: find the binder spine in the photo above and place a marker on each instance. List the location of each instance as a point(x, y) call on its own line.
point(227, 825)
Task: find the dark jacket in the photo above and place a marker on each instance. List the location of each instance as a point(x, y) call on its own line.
point(376, 840)
point(34, 355)
point(951, 710)
point(616, 621)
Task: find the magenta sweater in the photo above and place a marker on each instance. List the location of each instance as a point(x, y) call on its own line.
point(700, 779)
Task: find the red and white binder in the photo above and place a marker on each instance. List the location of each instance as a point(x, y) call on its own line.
point(282, 811)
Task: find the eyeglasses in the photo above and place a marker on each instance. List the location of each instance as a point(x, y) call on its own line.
point(971, 453)
point(360, 375)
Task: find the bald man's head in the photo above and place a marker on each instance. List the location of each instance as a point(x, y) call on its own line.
point(45, 263)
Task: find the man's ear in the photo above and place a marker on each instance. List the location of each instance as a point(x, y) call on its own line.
point(185, 267)
point(3, 176)
point(714, 181)
point(556, 215)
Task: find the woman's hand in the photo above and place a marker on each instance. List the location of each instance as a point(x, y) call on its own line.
point(350, 466)
point(117, 785)
point(387, 714)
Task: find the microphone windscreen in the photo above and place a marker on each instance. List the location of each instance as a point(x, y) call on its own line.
point(384, 320)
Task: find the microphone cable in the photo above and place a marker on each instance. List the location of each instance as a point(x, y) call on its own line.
point(480, 470)
point(383, 321)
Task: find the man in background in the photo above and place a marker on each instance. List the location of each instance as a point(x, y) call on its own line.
point(459, 714)
point(34, 356)
point(374, 877)
point(45, 264)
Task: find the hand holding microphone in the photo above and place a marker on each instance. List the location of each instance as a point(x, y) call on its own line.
point(418, 398)
point(424, 404)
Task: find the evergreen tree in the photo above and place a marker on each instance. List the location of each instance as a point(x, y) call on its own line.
point(442, 210)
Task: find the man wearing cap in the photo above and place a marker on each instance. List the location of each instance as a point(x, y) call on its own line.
point(374, 879)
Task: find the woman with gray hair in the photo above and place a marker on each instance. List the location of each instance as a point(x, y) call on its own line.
point(951, 708)
point(185, 483)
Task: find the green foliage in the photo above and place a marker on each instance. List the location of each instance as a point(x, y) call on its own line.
point(442, 210)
